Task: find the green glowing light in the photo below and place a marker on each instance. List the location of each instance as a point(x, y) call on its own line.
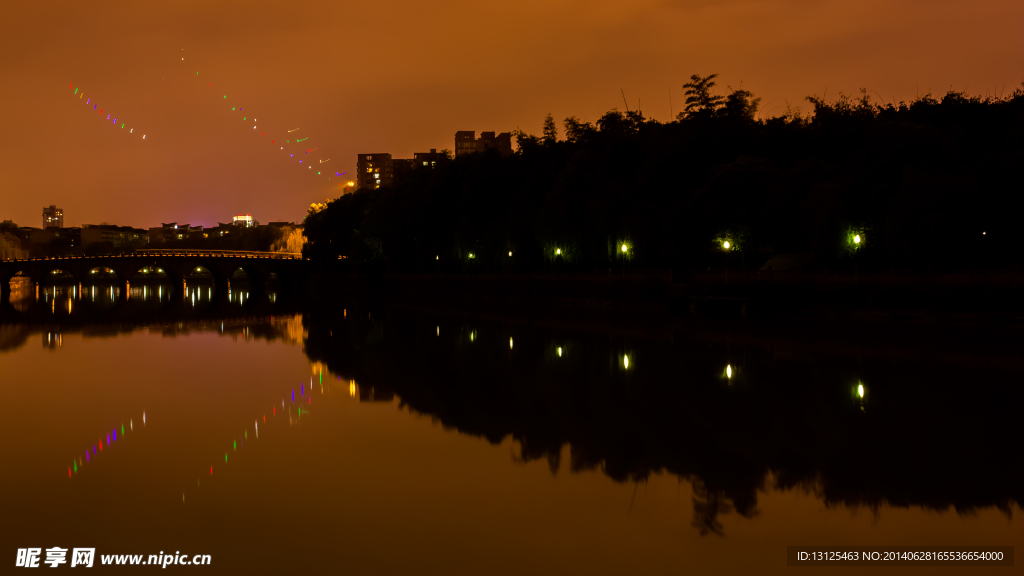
point(225, 95)
point(122, 429)
point(234, 445)
point(225, 457)
point(75, 464)
point(246, 433)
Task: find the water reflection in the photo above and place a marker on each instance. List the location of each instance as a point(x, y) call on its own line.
point(111, 437)
point(104, 298)
point(787, 418)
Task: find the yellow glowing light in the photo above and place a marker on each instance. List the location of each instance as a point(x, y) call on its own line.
point(856, 239)
point(509, 252)
point(558, 251)
point(624, 249)
point(509, 343)
point(625, 361)
point(559, 351)
point(352, 388)
point(728, 370)
point(471, 255)
point(860, 390)
point(438, 330)
point(726, 244)
point(437, 257)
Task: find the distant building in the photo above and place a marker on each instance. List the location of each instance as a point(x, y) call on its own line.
point(244, 220)
point(65, 237)
point(374, 171)
point(173, 231)
point(401, 167)
point(53, 217)
point(428, 159)
point(116, 236)
point(466, 142)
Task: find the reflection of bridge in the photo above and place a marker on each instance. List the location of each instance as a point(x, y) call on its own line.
point(176, 264)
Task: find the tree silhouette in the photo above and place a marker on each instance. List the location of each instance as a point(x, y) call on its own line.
point(550, 131)
point(699, 99)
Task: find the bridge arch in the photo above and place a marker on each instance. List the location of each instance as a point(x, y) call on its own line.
point(100, 273)
point(57, 273)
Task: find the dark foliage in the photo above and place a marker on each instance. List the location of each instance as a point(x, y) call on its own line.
point(936, 182)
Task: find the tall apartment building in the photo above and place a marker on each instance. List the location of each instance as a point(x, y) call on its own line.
point(53, 217)
point(374, 171)
point(466, 142)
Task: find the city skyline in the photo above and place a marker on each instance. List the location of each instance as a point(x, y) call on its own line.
point(303, 66)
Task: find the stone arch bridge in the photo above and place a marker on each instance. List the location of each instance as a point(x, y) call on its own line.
point(176, 264)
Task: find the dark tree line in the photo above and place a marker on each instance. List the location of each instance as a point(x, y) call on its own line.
point(936, 182)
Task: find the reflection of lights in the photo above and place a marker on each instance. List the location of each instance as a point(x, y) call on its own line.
point(625, 361)
point(728, 370)
point(472, 335)
point(559, 351)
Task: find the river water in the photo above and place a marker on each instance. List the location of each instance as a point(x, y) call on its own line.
point(347, 438)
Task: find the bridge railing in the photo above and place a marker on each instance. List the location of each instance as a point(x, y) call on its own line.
point(219, 253)
point(182, 252)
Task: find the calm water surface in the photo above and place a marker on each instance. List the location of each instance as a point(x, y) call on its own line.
point(346, 439)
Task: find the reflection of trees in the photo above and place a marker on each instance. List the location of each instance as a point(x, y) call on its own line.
point(12, 336)
point(787, 415)
point(269, 328)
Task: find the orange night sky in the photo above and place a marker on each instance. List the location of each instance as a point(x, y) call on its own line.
point(402, 77)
